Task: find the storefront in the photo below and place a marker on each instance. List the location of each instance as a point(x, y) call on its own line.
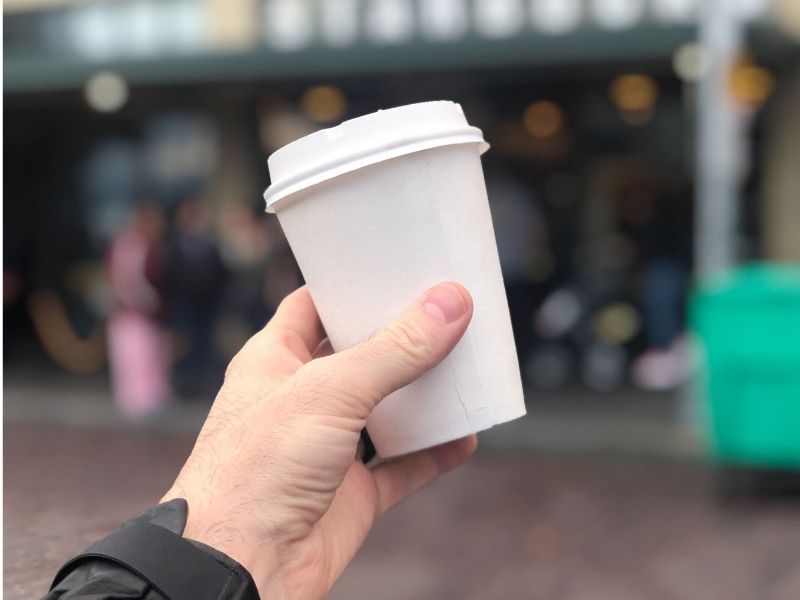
point(589, 106)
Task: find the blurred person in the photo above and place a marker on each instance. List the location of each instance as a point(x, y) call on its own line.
point(521, 230)
point(137, 350)
point(275, 498)
point(659, 221)
point(194, 282)
point(245, 244)
point(664, 365)
point(281, 277)
point(663, 291)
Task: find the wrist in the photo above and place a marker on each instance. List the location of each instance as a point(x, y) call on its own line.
point(225, 536)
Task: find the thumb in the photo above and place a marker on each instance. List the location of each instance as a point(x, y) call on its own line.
point(399, 353)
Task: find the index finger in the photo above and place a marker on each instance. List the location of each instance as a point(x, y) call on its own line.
point(298, 314)
point(293, 334)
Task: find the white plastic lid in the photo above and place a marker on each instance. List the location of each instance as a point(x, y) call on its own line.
point(364, 141)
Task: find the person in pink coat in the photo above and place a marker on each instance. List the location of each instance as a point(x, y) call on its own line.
point(138, 354)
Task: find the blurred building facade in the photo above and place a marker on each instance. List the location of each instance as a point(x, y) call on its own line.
point(590, 107)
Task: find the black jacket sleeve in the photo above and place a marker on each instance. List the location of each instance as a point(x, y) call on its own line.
point(103, 574)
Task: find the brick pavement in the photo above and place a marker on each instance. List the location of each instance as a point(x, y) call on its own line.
point(505, 526)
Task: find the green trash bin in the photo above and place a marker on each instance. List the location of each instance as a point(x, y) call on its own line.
point(747, 324)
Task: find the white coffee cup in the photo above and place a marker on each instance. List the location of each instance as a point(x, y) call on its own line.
point(379, 209)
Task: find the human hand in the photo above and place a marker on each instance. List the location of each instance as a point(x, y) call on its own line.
point(274, 479)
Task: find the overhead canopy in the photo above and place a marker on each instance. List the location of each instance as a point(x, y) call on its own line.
point(184, 41)
point(56, 73)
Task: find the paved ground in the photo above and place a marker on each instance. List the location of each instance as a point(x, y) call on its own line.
point(505, 526)
point(573, 420)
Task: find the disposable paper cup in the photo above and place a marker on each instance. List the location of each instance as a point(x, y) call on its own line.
point(379, 209)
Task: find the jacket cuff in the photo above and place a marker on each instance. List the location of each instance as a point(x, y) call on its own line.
point(151, 547)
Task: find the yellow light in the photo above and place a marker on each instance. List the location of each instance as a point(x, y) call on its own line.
point(752, 84)
point(633, 92)
point(323, 103)
point(543, 119)
point(616, 323)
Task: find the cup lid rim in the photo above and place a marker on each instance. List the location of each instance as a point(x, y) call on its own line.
point(364, 141)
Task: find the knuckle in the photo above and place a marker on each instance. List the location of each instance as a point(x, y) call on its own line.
point(285, 338)
point(410, 341)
